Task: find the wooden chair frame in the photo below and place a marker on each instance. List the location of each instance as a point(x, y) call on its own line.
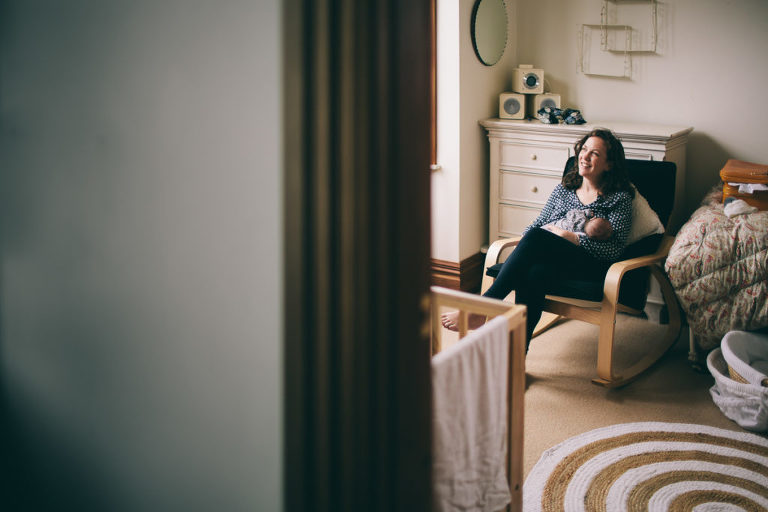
point(603, 313)
point(467, 303)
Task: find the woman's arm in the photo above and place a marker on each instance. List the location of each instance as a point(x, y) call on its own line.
point(553, 210)
point(568, 235)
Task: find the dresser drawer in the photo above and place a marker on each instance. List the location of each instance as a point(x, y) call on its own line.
point(526, 187)
point(513, 219)
point(534, 156)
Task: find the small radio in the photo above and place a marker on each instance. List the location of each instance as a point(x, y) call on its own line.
point(539, 101)
point(511, 105)
point(528, 80)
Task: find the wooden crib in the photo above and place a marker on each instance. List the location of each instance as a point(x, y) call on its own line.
point(446, 299)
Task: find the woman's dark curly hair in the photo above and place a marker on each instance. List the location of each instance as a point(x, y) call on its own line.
point(614, 179)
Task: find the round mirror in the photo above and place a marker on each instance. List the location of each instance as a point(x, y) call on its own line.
point(489, 30)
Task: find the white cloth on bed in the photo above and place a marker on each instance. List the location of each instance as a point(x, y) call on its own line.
point(469, 388)
point(738, 207)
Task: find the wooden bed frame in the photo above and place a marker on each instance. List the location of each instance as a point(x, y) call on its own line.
point(468, 303)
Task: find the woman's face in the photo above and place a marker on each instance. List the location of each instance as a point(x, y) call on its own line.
point(593, 159)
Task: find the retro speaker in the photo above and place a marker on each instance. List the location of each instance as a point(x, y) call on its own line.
point(511, 105)
point(528, 80)
point(539, 101)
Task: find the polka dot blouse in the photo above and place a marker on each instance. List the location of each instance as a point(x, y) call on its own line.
point(616, 208)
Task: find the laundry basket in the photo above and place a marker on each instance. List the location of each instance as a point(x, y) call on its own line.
point(747, 356)
point(738, 398)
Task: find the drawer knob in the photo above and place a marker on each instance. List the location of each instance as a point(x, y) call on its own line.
point(533, 156)
point(534, 189)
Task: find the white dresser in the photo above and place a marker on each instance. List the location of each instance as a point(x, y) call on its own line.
point(527, 160)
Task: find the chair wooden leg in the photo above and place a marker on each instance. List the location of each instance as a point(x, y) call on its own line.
point(605, 374)
point(547, 320)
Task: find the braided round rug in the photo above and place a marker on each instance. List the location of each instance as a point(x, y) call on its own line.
point(651, 466)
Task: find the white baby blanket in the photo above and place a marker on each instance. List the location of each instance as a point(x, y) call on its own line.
point(469, 387)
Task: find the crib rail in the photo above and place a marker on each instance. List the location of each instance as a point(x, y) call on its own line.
point(466, 304)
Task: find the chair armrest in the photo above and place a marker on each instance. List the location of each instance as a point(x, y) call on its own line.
point(492, 258)
point(618, 269)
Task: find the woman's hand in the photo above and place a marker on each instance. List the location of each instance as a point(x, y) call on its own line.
point(568, 235)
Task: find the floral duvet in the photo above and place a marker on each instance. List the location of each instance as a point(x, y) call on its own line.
point(719, 269)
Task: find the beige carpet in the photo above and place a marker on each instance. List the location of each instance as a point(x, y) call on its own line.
point(561, 401)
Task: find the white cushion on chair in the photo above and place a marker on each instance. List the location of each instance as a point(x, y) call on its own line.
point(645, 222)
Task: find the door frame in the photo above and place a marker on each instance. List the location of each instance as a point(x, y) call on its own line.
point(357, 236)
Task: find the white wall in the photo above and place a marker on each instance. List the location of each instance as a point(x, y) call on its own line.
point(141, 253)
point(467, 92)
point(709, 72)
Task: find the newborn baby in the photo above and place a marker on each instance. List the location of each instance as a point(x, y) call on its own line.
point(584, 221)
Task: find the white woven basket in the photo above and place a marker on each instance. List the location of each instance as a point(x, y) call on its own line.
point(742, 402)
point(747, 356)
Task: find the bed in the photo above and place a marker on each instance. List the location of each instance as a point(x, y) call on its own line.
point(718, 266)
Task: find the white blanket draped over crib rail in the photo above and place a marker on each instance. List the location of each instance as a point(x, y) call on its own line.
point(469, 382)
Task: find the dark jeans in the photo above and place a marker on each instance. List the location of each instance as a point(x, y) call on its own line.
point(539, 261)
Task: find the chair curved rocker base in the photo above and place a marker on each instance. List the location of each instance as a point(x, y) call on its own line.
point(604, 313)
point(548, 320)
point(606, 376)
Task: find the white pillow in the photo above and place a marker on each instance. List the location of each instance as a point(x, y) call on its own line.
point(645, 222)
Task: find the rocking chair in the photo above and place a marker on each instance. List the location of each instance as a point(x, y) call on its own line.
point(626, 285)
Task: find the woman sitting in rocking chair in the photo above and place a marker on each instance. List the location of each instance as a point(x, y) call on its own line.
point(547, 253)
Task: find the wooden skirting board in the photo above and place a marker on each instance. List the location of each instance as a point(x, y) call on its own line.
point(465, 275)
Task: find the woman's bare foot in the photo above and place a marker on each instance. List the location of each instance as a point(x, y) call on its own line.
point(450, 320)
